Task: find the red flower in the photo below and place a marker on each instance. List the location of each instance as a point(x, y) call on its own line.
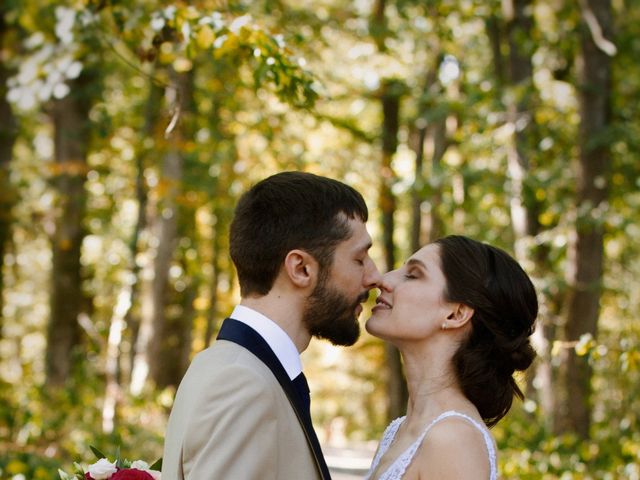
point(131, 474)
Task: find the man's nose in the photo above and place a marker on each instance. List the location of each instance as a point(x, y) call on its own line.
point(372, 278)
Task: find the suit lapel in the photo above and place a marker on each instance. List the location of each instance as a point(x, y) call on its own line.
point(245, 336)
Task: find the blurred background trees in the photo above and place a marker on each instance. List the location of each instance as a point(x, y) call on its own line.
point(128, 131)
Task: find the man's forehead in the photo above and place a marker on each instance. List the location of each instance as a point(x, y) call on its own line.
point(360, 238)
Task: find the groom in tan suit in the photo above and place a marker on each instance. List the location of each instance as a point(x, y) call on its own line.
point(300, 246)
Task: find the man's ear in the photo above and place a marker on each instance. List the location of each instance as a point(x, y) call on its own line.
point(301, 268)
point(460, 316)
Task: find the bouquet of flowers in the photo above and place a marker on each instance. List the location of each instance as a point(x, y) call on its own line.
point(119, 469)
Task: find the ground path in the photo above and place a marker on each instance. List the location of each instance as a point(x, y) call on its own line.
point(348, 463)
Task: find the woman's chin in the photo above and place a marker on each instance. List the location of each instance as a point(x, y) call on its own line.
point(371, 326)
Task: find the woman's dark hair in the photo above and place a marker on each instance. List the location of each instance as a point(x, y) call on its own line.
point(286, 211)
point(505, 305)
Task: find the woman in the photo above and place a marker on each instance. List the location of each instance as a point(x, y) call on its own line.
point(461, 313)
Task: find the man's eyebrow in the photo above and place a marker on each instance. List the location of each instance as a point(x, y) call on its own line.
point(365, 247)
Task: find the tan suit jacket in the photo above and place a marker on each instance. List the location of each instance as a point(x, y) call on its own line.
point(232, 420)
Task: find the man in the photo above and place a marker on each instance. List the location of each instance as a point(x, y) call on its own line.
point(300, 247)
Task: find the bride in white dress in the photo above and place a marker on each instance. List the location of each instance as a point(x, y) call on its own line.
point(461, 313)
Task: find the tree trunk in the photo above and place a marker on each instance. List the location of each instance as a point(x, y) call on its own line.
point(397, 392)
point(439, 138)
point(8, 133)
point(396, 386)
point(151, 116)
point(212, 313)
point(593, 172)
point(515, 86)
point(417, 192)
point(172, 333)
point(123, 312)
point(71, 145)
point(435, 132)
point(525, 208)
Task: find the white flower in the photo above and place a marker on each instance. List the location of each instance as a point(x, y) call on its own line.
point(217, 43)
point(144, 466)
point(74, 70)
point(64, 25)
point(239, 22)
point(102, 469)
point(140, 465)
point(60, 91)
point(157, 23)
point(155, 474)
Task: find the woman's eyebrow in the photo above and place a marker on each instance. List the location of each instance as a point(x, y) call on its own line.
point(415, 261)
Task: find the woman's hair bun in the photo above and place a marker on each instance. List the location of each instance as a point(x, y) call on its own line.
point(505, 306)
point(523, 356)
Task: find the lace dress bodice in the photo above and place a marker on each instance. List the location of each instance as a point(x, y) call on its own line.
point(400, 464)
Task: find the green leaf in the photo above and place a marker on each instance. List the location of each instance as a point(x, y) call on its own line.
point(157, 465)
point(79, 469)
point(64, 475)
point(97, 452)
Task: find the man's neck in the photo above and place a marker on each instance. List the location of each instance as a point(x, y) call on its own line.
point(287, 315)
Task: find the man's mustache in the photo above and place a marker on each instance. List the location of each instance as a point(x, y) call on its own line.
point(363, 297)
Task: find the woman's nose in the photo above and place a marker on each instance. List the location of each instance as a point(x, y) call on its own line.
point(388, 280)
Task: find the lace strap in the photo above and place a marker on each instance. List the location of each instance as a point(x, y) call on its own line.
point(387, 439)
point(491, 451)
point(401, 463)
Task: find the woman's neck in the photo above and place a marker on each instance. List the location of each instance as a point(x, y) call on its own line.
point(432, 386)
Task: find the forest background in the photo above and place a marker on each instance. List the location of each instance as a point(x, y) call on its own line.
point(129, 129)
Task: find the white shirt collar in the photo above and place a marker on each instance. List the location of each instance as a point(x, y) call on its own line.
point(274, 335)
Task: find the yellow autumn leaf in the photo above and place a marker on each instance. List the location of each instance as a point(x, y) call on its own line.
point(41, 474)
point(257, 37)
point(285, 81)
point(230, 44)
point(201, 303)
point(166, 53)
point(182, 64)
point(191, 13)
point(584, 345)
point(205, 37)
point(618, 179)
point(546, 219)
point(15, 467)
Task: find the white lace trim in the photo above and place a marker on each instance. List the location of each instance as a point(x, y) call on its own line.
point(400, 464)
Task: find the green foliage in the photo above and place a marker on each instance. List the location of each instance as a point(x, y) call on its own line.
point(530, 450)
point(296, 85)
point(39, 440)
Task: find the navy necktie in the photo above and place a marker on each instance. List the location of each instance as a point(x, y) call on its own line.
point(302, 387)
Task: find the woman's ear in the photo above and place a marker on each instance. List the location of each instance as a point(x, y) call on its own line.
point(301, 268)
point(459, 317)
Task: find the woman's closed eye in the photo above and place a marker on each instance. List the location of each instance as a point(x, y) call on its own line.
point(410, 275)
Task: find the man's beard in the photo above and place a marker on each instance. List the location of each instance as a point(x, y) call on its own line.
point(330, 315)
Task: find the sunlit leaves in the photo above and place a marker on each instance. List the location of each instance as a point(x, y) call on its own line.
point(630, 361)
point(240, 55)
point(584, 345)
point(205, 37)
point(175, 35)
point(44, 71)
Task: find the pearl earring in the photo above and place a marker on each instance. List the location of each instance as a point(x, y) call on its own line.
point(444, 325)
